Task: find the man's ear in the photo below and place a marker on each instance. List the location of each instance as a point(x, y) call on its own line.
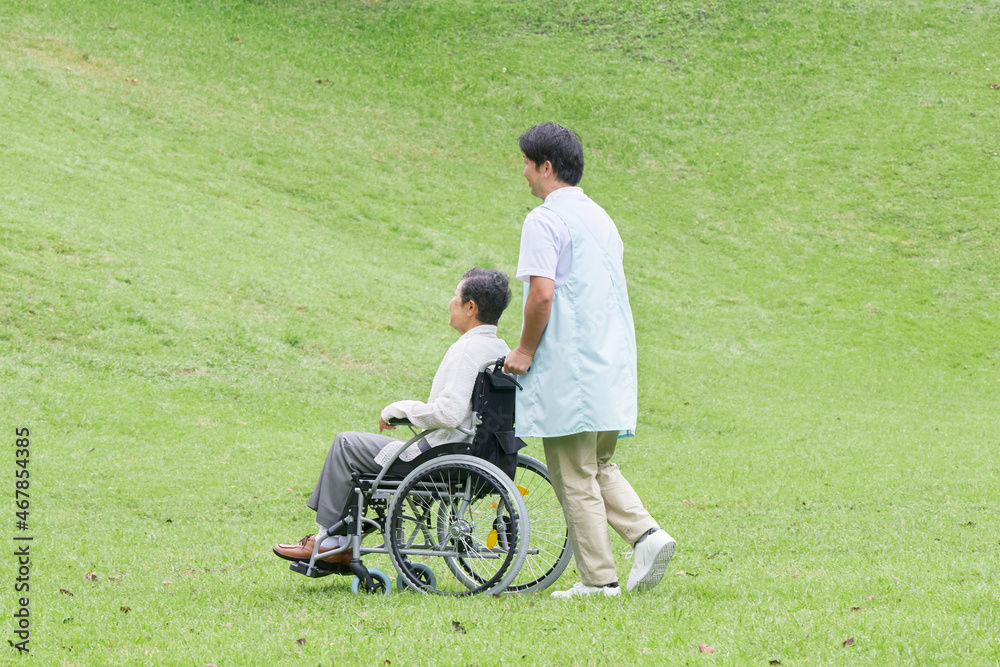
point(474, 306)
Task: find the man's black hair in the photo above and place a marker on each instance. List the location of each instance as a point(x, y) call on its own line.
point(489, 289)
point(559, 146)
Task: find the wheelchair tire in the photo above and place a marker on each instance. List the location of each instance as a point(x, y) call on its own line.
point(549, 551)
point(383, 584)
point(447, 510)
point(423, 571)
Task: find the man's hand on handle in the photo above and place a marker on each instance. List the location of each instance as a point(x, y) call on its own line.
point(518, 362)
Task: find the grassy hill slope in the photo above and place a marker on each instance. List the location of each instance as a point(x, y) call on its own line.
point(229, 230)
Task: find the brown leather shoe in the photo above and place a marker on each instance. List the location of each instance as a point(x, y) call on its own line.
point(303, 551)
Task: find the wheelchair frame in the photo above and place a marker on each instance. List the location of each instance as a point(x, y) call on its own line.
point(456, 508)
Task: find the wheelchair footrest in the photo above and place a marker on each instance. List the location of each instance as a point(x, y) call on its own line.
point(302, 567)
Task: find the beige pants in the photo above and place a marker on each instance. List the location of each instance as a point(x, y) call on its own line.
point(594, 495)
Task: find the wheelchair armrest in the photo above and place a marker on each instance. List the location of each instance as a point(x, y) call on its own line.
point(403, 421)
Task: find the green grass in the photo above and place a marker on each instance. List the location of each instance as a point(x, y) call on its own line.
point(229, 230)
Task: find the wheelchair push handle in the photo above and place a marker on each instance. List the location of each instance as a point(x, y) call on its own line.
point(498, 370)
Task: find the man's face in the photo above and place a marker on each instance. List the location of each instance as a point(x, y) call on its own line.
point(456, 311)
point(533, 174)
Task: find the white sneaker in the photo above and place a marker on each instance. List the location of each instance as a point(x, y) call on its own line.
point(652, 556)
point(580, 589)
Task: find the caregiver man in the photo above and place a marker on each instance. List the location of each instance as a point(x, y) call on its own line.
point(577, 354)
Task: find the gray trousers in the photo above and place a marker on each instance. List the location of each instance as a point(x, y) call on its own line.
point(350, 452)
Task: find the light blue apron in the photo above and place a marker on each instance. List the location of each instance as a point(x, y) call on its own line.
point(583, 375)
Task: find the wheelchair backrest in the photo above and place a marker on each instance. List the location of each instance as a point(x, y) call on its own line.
point(493, 402)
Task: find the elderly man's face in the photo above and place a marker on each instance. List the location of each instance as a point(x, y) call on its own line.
point(461, 318)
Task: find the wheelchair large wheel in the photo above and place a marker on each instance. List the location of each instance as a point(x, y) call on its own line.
point(456, 509)
point(549, 551)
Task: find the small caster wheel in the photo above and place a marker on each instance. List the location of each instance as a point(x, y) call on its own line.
point(382, 584)
point(424, 574)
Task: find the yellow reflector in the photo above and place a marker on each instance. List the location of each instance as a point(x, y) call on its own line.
point(491, 539)
point(524, 491)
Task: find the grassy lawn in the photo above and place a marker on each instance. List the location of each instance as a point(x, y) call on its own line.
point(230, 229)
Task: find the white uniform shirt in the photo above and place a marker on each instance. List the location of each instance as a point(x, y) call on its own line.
point(545, 240)
point(583, 375)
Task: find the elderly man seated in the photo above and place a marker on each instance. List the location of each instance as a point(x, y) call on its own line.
point(480, 299)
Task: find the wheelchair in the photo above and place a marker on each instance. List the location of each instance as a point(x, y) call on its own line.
point(469, 518)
